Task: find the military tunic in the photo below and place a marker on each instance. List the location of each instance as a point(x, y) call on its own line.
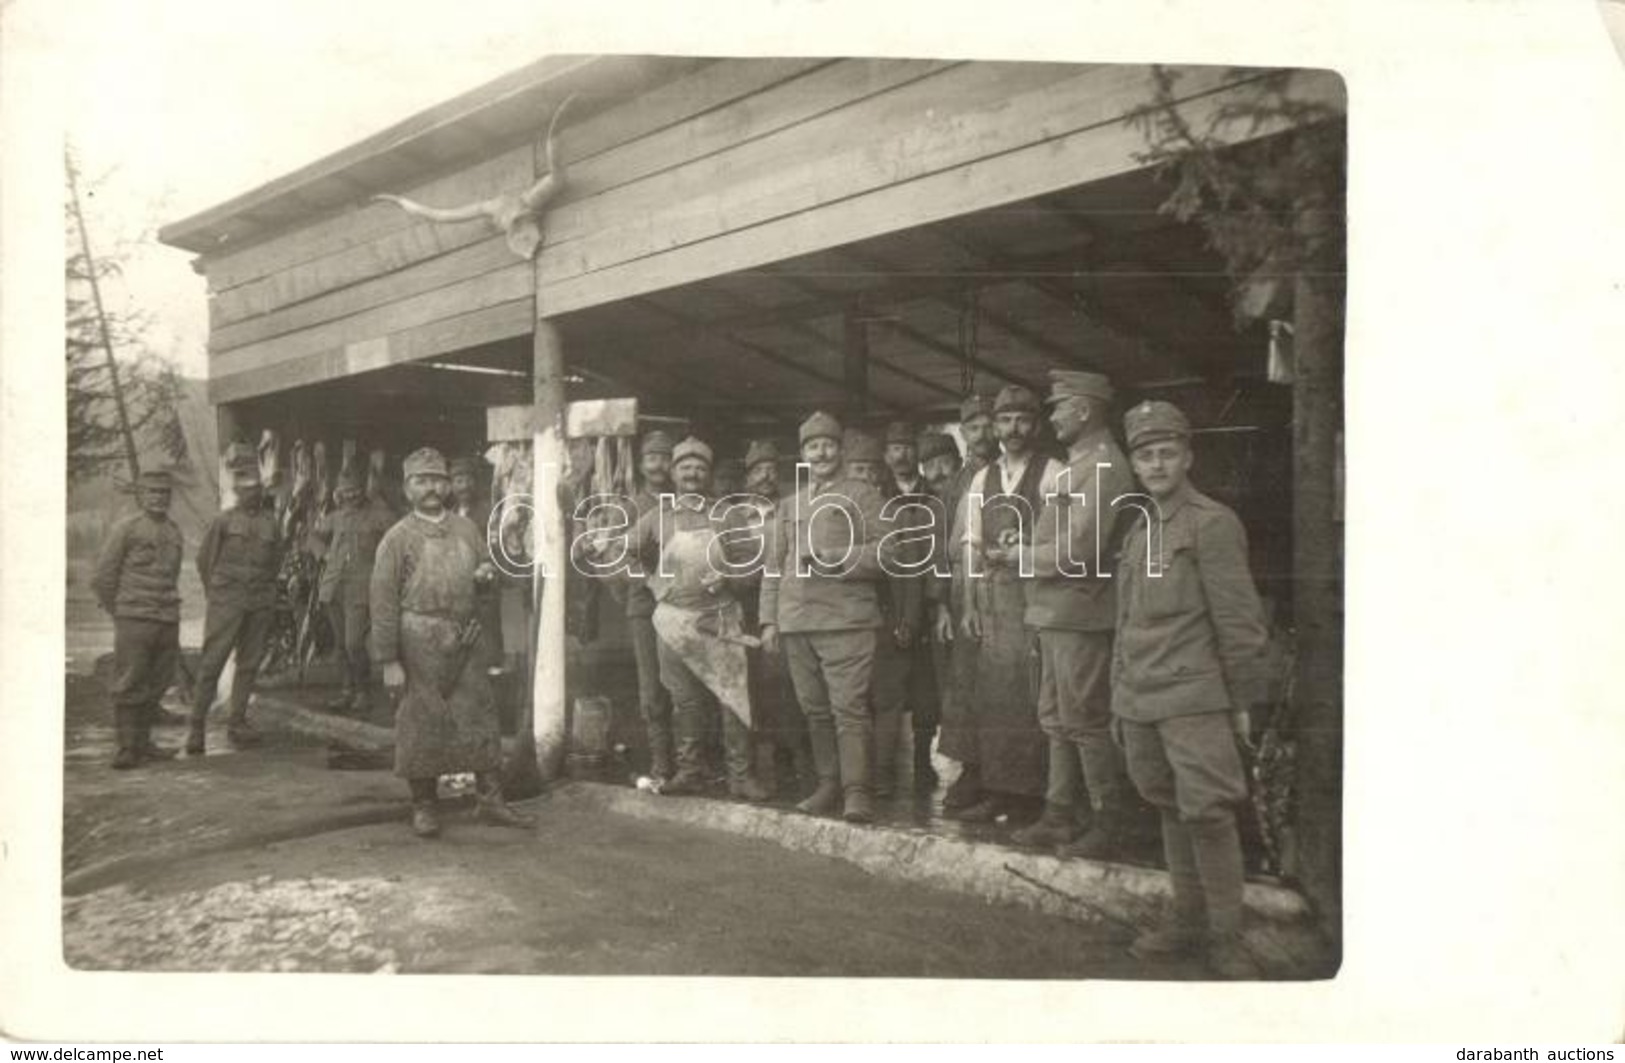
point(237, 561)
point(1190, 647)
point(827, 620)
point(904, 681)
point(1070, 603)
point(136, 582)
point(422, 596)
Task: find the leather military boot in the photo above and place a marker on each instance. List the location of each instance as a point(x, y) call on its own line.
point(964, 791)
point(826, 760)
point(491, 808)
point(858, 805)
point(1053, 828)
point(148, 749)
point(196, 725)
point(124, 727)
point(425, 807)
point(925, 774)
point(1184, 933)
point(1103, 839)
point(240, 734)
point(738, 755)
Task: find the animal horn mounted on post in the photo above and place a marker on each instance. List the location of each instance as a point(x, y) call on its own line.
point(517, 214)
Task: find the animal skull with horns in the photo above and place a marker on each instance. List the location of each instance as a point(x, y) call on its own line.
point(517, 214)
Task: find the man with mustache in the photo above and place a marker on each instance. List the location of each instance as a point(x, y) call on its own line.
point(654, 704)
point(422, 599)
point(1071, 607)
point(820, 603)
point(1187, 667)
point(1001, 509)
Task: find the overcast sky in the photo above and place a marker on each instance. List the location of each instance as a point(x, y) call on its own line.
point(177, 105)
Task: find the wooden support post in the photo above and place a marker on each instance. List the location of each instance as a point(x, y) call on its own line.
point(1317, 420)
point(855, 360)
point(550, 722)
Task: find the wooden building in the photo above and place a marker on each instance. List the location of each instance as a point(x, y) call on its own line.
point(740, 241)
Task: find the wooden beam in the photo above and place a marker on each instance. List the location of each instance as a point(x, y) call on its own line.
point(489, 325)
point(1046, 163)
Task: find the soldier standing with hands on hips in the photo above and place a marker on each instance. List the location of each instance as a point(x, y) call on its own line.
point(136, 581)
point(424, 637)
point(1187, 667)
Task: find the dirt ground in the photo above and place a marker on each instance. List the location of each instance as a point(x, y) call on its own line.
point(266, 860)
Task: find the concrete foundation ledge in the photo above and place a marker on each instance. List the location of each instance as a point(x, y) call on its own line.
point(1279, 932)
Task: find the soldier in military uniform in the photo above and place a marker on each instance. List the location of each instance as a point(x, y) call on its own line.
point(905, 682)
point(958, 737)
point(237, 561)
point(654, 462)
point(1071, 607)
point(350, 536)
point(820, 601)
point(423, 606)
point(136, 582)
point(694, 558)
point(1001, 510)
point(939, 463)
point(1187, 667)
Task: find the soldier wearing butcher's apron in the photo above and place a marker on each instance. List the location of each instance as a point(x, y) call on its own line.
point(425, 637)
point(693, 555)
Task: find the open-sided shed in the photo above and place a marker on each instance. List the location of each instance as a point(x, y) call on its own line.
point(739, 241)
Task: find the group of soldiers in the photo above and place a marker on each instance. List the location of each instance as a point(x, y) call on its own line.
point(408, 598)
point(1070, 625)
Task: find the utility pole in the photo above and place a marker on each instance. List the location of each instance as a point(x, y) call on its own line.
point(101, 318)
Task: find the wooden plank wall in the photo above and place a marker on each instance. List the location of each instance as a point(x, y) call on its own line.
point(738, 164)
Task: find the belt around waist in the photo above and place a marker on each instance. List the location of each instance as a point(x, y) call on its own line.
point(456, 618)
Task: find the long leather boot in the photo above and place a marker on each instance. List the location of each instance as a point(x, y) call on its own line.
point(855, 786)
point(1055, 827)
point(688, 721)
point(737, 751)
point(491, 808)
point(1183, 934)
point(1217, 847)
point(124, 729)
point(425, 807)
point(826, 762)
point(196, 726)
point(150, 750)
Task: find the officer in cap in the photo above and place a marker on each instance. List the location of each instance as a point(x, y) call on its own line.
point(1071, 607)
point(350, 535)
point(1001, 510)
point(1186, 668)
point(238, 562)
point(423, 610)
point(958, 736)
point(820, 601)
point(136, 583)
